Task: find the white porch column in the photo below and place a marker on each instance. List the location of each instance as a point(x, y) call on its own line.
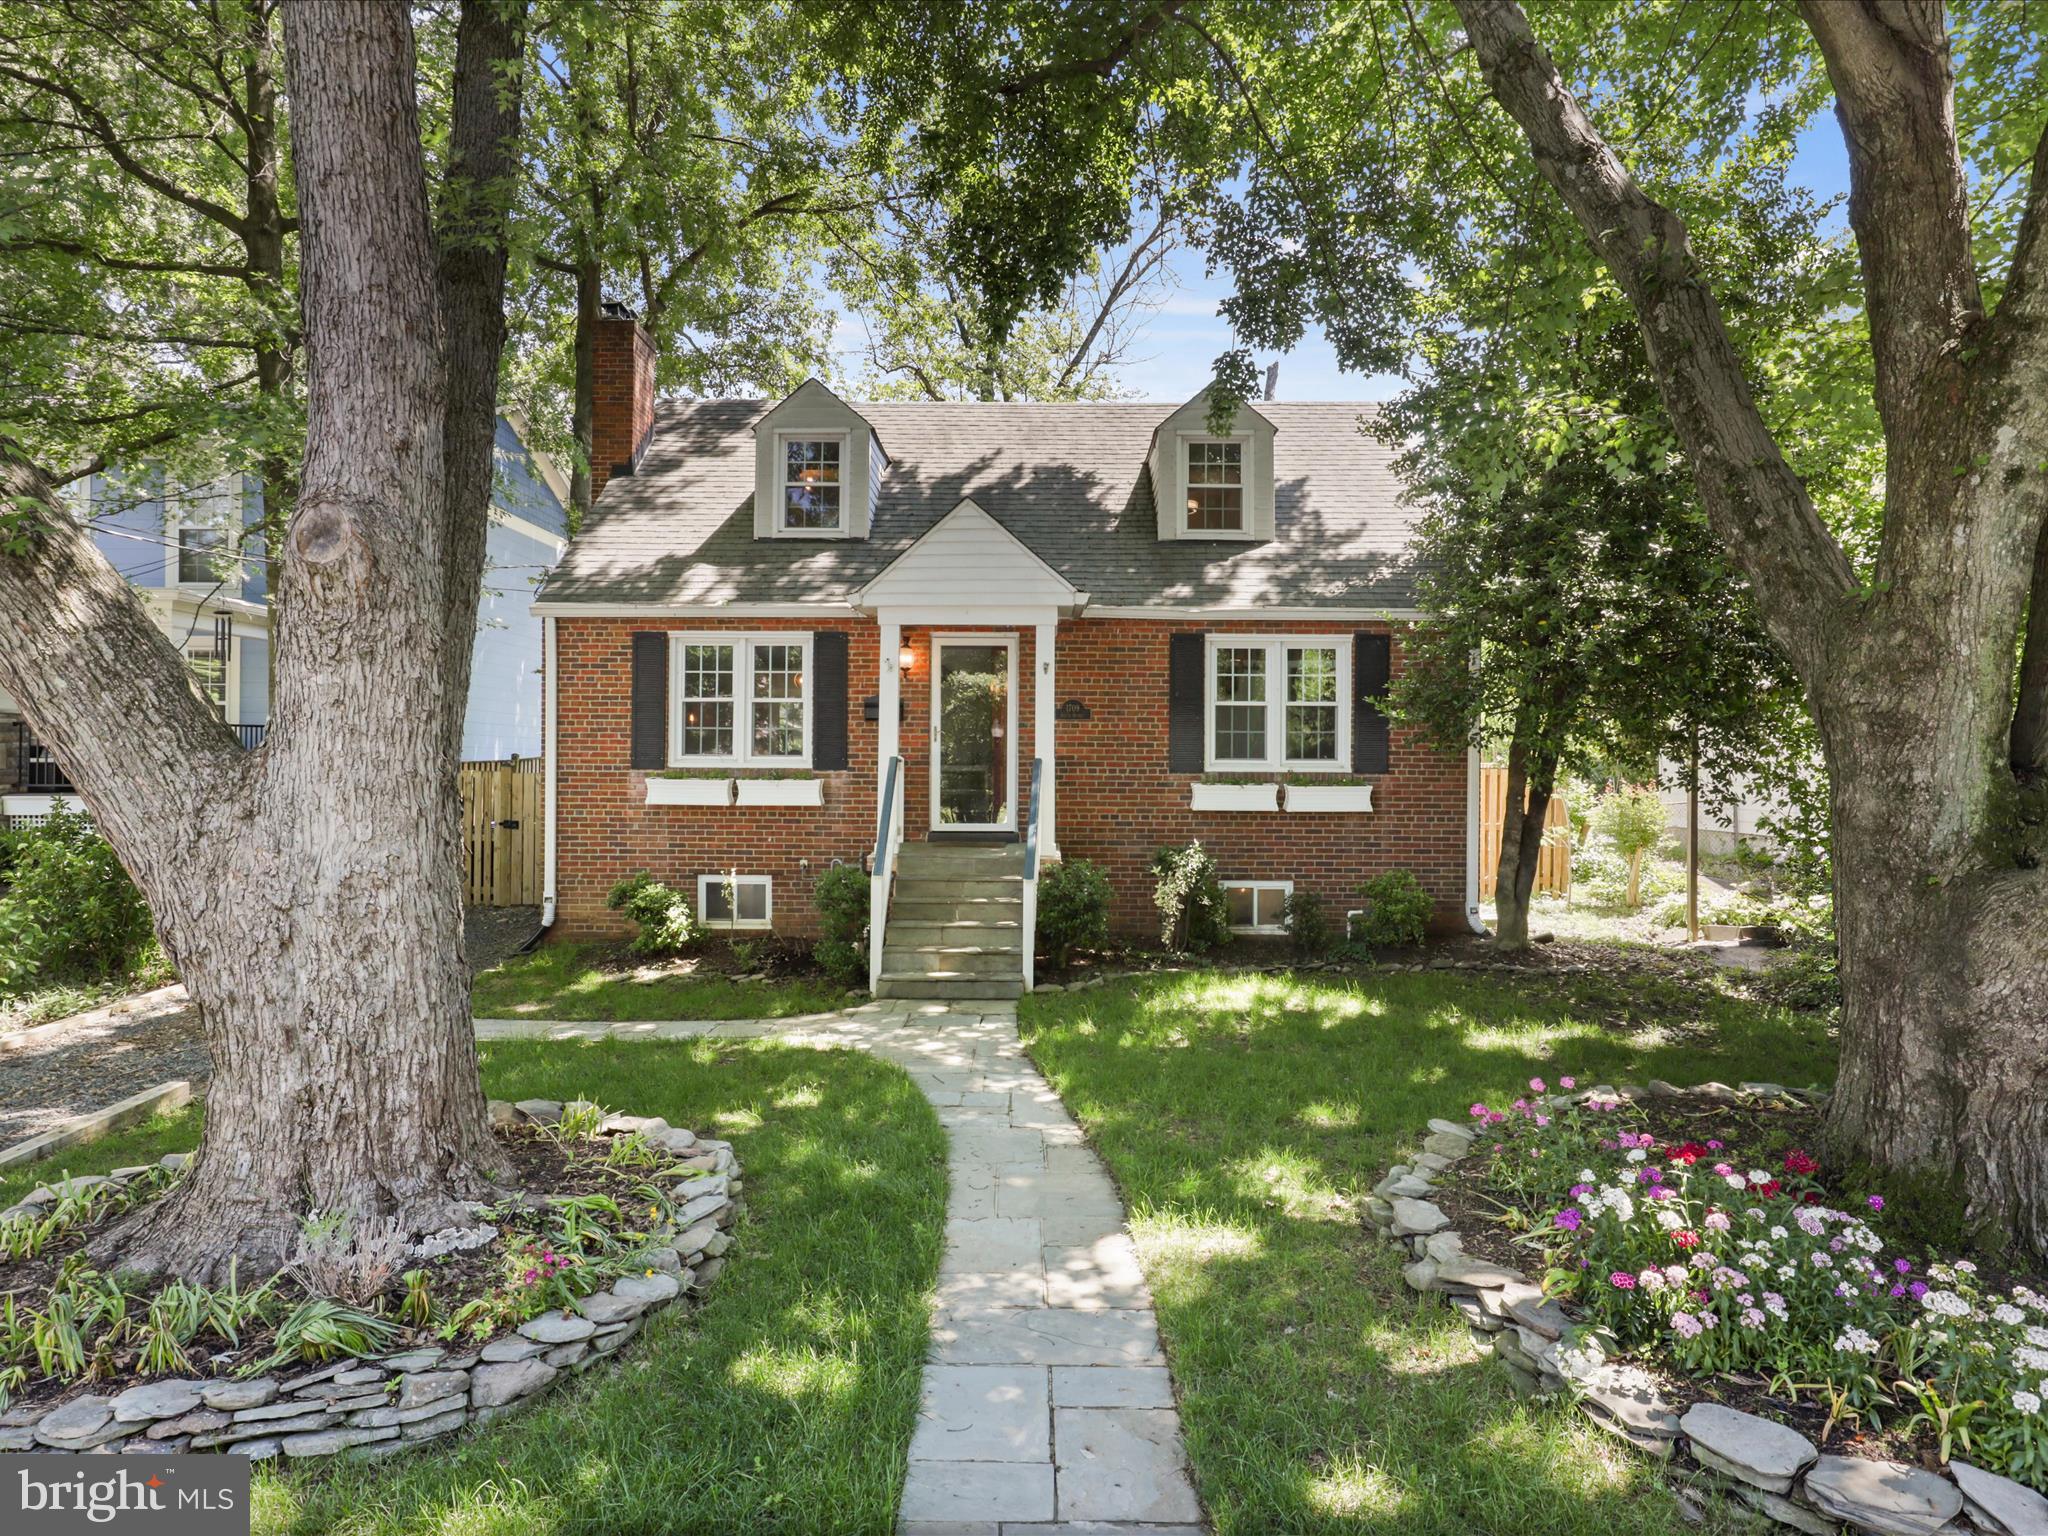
point(889, 721)
point(1044, 729)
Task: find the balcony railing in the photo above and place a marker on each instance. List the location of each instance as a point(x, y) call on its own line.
point(37, 771)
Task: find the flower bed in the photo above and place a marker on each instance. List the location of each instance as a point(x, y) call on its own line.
point(365, 1342)
point(1678, 1228)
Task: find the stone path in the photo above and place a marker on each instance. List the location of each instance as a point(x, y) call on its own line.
point(1047, 1404)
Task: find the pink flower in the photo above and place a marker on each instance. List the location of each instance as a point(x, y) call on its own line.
point(1478, 1111)
point(1717, 1220)
point(1713, 1146)
point(1622, 1280)
point(1722, 1168)
point(1536, 1085)
point(1567, 1083)
point(1542, 1121)
point(1875, 1202)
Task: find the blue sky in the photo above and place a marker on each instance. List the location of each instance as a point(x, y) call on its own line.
point(1173, 352)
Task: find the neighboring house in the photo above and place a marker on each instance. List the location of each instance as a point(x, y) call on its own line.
point(203, 574)
point(772, 603)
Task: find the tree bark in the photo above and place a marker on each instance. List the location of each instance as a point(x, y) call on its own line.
point(1532, 781)
point(1944, 1066)
point(309, 892)
point(583, 412)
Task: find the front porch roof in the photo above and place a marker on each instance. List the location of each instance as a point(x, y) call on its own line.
point(968, 560)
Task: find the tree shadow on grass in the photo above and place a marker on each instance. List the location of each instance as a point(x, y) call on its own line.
point(1244, 1119)
point(786, 1402)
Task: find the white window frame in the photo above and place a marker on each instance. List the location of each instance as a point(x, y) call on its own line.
point(226, 556)
point(742, 754)
point(1284, 887)
point(1183, 448)
point(737, 923)
point(847, 489)
point(1276, 648)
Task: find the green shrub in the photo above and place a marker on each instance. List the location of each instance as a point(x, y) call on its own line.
point(1633, 821)
point(1308, 925)
point(667, 925)
point(1194, 914)
point(1397, 909)
point(1073, 908)
point(841, 897)
point(70, 912)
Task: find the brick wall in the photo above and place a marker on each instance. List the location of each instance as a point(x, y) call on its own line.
point(1117, 802)
point(622, 400)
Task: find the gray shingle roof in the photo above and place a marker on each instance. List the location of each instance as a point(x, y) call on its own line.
point(1068, 480)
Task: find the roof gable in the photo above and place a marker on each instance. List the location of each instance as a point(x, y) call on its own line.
point(968, 559)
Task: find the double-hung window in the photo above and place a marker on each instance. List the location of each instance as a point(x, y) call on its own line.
point(1215, 472)
point(1279, 702)
point(741, 700)
point(200, 556)
point(813, 495)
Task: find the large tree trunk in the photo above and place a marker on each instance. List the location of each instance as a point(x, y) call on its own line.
point(1532, 779)
point(583, 411)
point(1944, 941)
point(309, 892)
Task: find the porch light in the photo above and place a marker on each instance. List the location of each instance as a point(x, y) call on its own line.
point(906, 658)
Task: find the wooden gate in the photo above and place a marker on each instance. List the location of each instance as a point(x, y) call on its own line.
point(501, 833)
point(1553, 864)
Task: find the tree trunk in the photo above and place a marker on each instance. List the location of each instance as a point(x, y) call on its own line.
point(1531, 774)
point(308, 892)
point(583, 413)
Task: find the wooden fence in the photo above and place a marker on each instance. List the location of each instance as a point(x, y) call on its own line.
point(501, 833)
point(1553, 864)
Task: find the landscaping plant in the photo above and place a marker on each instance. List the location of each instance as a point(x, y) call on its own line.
point(1194, 914)
point(1308, 925)
point(1397, 909)
point(1632, 819)
point(69, 910)
point(666, 924)
point(1073, 908)
point(841, 896)
point(1693, 1254)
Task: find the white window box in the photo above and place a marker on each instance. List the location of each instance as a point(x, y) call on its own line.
point(1235, 797)
point(1329, 797)
point(689, 791)
point(782, 791)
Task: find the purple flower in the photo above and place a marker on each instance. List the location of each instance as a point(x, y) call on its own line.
point(1875, 1202)
point(1917, 1289)
point(1568, 1218)
point(1713, 1146)
point(1580, 1191)
point(1903, 1266)
point(1898, 1290)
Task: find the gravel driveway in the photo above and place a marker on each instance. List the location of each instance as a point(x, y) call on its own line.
point(54, 1072)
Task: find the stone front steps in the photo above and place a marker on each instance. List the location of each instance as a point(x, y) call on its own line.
point(956, 923)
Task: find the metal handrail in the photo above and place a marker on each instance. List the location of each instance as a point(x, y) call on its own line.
point(882, 868)
point(1030, 925)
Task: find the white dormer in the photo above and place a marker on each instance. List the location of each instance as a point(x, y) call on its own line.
point(1209, 485)
point(818, 468)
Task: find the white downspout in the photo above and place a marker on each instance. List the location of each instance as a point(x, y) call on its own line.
point(1472, 918)
point(547, 895)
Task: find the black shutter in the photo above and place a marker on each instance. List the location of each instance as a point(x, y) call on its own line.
point(828, 699)
point(650, 699)
point(1184, 686)
point(1371, 663)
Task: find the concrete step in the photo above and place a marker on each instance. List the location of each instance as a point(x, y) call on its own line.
point(923, 887)
point(941, 988)
point(961, 855)
point(915, 934)
point(945, 909)
point(956, 961)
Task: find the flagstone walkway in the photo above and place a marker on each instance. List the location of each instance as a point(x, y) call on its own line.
point(1047, 1404)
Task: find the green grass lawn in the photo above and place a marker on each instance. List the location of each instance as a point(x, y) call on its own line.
point(1246, 1117)
point(784, 1404)
point(566, 981)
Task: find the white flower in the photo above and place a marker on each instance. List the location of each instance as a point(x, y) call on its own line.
point(2005, 1312)
point(2037, 1336)
point(1820, 1260)
point(1786, 1271)
point(1675, 1273)
point(1964, 1266)
point(1779, 1234)
point(2030, 1359)
point(1758, 1176)
point(1669, 1219)
point(1854, 1341)
point(1945, 1304)
point(1638, 1155)
point(1588, 1176)
point(1736, 1181)
point(1624, 1208)
point(2026, 1402)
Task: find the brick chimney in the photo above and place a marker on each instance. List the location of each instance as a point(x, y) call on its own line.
point(622, 405)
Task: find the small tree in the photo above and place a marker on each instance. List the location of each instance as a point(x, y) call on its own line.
point(1194, 914)
point(1631, 818)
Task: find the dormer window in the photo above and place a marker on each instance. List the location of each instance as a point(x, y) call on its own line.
point(1215, 479)
point(812, 490)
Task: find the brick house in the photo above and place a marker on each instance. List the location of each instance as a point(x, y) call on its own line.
point(771, 603)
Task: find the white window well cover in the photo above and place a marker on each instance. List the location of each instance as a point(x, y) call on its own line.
point(735, 901)
point(1258, 906)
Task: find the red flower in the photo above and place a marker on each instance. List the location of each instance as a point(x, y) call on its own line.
point(1797, 1161)
point(1769, 1189)
point(1688, 1154)
point(1686, 1238)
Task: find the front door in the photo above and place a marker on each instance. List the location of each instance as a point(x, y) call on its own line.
point(974, 733)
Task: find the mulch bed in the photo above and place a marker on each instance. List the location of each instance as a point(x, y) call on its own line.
point(541, 1166)
point(1756, 1136)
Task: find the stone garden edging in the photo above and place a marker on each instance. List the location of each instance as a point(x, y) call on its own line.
point(1770, 1467)
point(376, 1407)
